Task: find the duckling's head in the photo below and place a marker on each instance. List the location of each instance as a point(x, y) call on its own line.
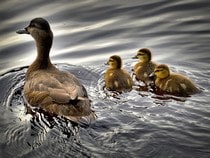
point(39, 29)
point(144, 55)
point(162, 71)
point(115, 62)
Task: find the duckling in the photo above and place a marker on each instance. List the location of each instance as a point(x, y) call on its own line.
point(48, 88)
point(116, 78)
point(173, 83)
point(145, 66)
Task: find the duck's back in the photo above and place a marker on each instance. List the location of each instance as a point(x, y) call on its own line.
point(57, 92)
point(118, 79)
point(178, 85)
point(143, 70)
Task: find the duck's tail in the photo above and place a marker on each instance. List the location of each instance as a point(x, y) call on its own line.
point(78, 111)
point(82, 120)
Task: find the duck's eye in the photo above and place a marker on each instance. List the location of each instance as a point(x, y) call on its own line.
point(157, 70)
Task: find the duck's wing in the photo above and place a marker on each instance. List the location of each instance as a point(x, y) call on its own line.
point(51, 87)
point(187, 87)
point(180, 85)
point(118, 80)
point(71, 86)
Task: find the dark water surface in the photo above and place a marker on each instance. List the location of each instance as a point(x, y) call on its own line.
point(134, 124)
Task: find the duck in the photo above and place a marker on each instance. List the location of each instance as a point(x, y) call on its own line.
point(145, 67)
point(46, 87)
point(173, 83)
point(116, 78)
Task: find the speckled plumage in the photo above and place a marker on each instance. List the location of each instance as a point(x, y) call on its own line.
point(116, 78)
point(50, 89)
point(173, 83)
point(142, 71)
point(145, 66)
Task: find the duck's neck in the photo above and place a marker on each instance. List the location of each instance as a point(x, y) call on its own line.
point(43, 50)
point(42, 60)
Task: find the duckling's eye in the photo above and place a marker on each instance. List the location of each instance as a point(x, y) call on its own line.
point(158, 70)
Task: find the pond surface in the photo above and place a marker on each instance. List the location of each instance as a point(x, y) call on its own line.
point(86, 33)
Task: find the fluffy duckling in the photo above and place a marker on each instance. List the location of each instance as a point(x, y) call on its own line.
point(116, 78)
point(48, 88)
point(145, 66)
point(173, 83)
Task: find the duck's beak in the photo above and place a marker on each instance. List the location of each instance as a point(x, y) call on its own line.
point(106, 63)
point(23, 31)
point(135, 57)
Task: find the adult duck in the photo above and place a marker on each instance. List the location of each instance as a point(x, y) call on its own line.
point(50, 89)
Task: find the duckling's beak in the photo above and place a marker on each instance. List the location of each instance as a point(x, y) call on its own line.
point(107, 63)
point(135, 57)
point(152, 76)
point(23, 31)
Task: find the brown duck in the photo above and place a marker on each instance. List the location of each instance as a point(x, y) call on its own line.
point(48, 88)
point(173, 83)
point(145, 66)
point(116, 78)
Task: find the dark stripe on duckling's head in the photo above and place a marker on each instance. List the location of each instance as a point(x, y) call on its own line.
point(40, 23)
point(117, 59)
point(146, 51)
point(162, 71)
point(162, 66)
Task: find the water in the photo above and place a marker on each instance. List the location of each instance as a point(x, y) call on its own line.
point(135, 124)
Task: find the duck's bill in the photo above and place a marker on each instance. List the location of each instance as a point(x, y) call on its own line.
point(22, 31)
point(107, 63)
point(135, 57)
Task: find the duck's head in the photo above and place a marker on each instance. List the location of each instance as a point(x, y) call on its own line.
point(39, 29)
point(144, 55)
point(162, 71)
point(115, 62)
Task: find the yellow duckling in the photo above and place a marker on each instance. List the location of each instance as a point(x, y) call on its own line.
point(145, 66)
point(116, 78)
point(173, 83)
point(48, 88)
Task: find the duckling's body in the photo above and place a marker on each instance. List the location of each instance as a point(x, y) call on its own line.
point(173, 83)
point(116, 78)
point(50, 89)
point(145, 66)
